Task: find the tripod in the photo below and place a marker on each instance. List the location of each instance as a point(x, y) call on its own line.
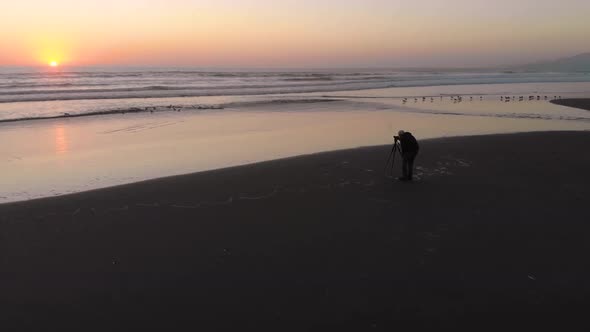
point(394, 149)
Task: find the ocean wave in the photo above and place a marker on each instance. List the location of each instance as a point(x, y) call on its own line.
point(170, 108)
point(279, 102)
point(67, 75)
point(308, 79)
point(47, 85)
point(156, 91)
point(288, 83)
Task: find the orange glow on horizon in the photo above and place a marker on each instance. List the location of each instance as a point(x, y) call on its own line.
point(301, 33)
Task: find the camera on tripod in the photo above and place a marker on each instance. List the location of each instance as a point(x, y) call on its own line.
point(395, 149)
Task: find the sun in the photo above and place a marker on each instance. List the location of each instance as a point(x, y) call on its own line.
point(53, 64)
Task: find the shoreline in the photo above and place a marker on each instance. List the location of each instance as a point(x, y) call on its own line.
point(578, 103)
point(174, 108)
point(314, 242)
point(263, 163)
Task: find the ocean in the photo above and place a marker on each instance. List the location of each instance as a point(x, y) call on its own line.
point(30, 93)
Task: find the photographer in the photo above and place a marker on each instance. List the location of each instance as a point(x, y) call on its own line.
point(409, 150)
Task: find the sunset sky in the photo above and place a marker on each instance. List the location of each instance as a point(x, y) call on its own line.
point(291, 33)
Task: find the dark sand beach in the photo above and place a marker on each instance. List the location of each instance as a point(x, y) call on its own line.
point(583, 103)
point(493, 235)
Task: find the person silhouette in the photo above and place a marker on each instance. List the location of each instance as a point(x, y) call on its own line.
point(409, 151)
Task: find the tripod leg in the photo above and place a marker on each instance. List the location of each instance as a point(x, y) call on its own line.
point(389, 158)
point(395, 149)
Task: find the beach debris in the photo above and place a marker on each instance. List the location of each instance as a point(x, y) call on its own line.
point(148, 205)
point(423, 172)
point(227, 202)
point(177, 206)
point(430, 235)
point(462, 163)
point(532, 277)
point(203, 204)
point(274, 192)
point(453, 161)
point(124, 208)
point(344, 183)
point(185, 206)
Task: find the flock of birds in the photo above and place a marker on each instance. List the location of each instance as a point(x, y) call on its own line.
point(177, 108)
point(507, 99)
point(151, 109)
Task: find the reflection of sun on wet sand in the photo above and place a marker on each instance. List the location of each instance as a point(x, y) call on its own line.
point(491, 232)
point(61, 140)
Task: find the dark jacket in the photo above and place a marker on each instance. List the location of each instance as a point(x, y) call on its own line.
point(409, 143)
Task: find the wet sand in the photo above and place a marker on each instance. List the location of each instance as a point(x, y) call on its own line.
point(493, 235)
point(73, 154)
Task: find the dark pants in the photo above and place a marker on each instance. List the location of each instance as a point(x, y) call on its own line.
point(408, 164)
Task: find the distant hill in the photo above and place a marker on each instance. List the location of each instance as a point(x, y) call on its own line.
point(578, 63)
